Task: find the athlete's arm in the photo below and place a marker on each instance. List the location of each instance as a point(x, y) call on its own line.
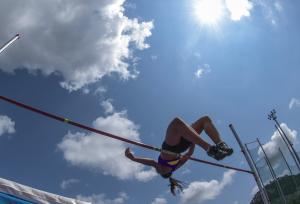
point(145, 161)
point(186, 157)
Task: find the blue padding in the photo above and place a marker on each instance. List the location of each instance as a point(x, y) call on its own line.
point(9, 199)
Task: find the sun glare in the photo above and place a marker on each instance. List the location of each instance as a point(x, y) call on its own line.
point(208, 11)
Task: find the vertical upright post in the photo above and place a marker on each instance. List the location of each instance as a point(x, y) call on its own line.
point(285, 161)
point(252, 167)
point(289, 147)
point(11, 41)
point(272, 116)
point(258, 174)
point(288, 166)
point(272, 173)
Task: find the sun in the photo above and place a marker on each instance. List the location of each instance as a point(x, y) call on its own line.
point(208, 12)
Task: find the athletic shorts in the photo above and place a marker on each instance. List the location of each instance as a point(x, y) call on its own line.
point(179, 148)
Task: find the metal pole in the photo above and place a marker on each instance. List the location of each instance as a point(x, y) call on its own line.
point(11, 41)
point(288, 166)
point(295, 155)
point(272, 173)
point(258, 174)
point(252, 167)
point(272, 116)
point(285, 161)
point(288, 146)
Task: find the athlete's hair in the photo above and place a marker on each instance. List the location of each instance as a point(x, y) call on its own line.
point(174, 183)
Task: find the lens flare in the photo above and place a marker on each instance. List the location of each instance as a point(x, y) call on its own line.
point(208, 12)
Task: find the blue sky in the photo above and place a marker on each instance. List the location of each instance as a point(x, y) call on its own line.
point(129, 67)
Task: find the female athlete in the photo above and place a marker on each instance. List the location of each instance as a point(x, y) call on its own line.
point(181, 137)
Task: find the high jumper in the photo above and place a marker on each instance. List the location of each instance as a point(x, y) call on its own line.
point(181, 137)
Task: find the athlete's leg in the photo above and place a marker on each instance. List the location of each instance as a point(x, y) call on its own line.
point(178, 128)
point(206, 124)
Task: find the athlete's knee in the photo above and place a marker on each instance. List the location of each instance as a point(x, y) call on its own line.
point(174, 126)
point(176, 121)
point(206, 119)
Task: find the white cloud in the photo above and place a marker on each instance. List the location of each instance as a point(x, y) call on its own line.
point(238, 8)
point(272, 147)
point(205, 69)
point(278, 6)
point(208, 11)
point(130, 5)
point(85, 91)
point(68, 183)
point(101, 199)
point(271, 10)
point(107, 106)
point(254, 190)
point(285, 172)
point(100, 91)
point(106, 154)
point(294, 103)
point(7, 125)
point(159, 201)
point(269, 13)
point(80, 40)
point(200, 191)
point(145, 176)
point(199, 73)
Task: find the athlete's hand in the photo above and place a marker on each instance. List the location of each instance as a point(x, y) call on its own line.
point(129, 154)
point(184, 158)
point(191, 150)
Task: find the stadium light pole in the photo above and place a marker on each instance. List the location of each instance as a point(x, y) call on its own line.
point(289, 144)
